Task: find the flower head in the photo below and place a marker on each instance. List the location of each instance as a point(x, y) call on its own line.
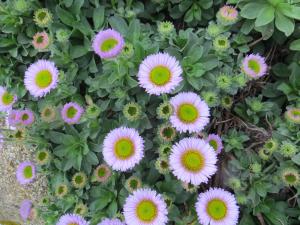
point(13, 118)
point(42, 157)
point(190, 113)
point(108, 43)
point(288, 149)
point(71, 112)
point(215, 141)
point(41, 77)
point(255, 167)
point(217, 207)
point(166, 133)
point(42, 17)
point(25, 209)
point(133, 183)
point(159, 73)
point(80, 209)
point(164, 110)
point(293, 115)
point(165, 28)
point(6, 99)
point(214, 29)
point(224, 82)
point(271, 145)
point(234, 183)
point(48, 113)
point(221, 43)
point(226, 102)
point(21, 5)
point(211, 98)
point(25, 173)
point(193, 161)
point(40, 40)
point(102, 173)
point(132, 111)
point(72, 219)
point(123, 148)
point(26, 117)
point(107, 221)
point(290, 176)
point(263, 154)
point(93, 111)
point(61, 190)
point(145, 207)
point(165, 149)
point(62, 35)
point(162, 165)
point(254, 66)
point(79, 180)
point(227, 15)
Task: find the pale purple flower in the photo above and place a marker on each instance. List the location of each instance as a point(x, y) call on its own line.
point(108, 43)
point(41, 77)
point(254, 66)
point(215, 141)
point(227, 15)
point(123, 148)
point(26, 117)
point(293, 115)
point(25, 172)
point(217, 207)
point(145, 207)
point(192, 160)
point(72, 219)
point(71, 113)
point(6, 100)
point(111, 222)
point(159, 73)
point(13, 119)
point(191, 113)
point(25, 209)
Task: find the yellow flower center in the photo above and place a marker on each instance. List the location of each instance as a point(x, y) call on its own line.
point(216, 209)
point(160, 75)
point(43, 79)
point(124, 148)
point(187, 113)
point(146, 211)
point(108, 44)
point(7, 98)
point(192, 160)
point(28, 172)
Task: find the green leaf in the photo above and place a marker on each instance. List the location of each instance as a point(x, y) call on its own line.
point(118, 24)
point(289, 10)
point(265, 16)
point(295, 45)
point(251, 10)
point(66, 17)
point(296, 159)
point(98, 17)
point(284, 24)
point(78, 51)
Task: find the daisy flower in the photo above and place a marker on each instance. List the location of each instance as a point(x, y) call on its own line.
point(217, 207)
point(293, 115)
point(42, 17)
point(42, 157)
point(79, 180)
point(159, 73)
point(102, 173)
point(111, 222)
point(25, 173)
point(13, 119)
point(227, 15)
point(193, 161)
point(133, 183)
point(123, 148)
point(145, 207)
point(26, 117)
point(190, 114)
point(48, 114)
point(71, 113)
point(254, 66)
point(72, 219)
point(6, 100)
point(40, 40)
point(25, 209)
point(108, 43)
point(41, 77)
point(61, 190)
point(290, 176)
point(80, 209)
point(215, 141)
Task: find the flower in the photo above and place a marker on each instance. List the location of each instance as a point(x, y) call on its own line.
point(290, 176)
point(241, 199)
point(224, 82)
point(271, 145)
point(254, 66)
point(159, 73)
point(79, 180)
point(263, 154)
point(215, 141)
point(108, 43)
point(293, 115)
point(234, 183)
point(190, 114)
point(165, 28)
point(26, 117)
point(226, 102)
point(25, 172)
point(41, 77)
point(241, 80)
point(48, 114)
point(62, 35)
point(145, 207)
point(107, 221)
point(255, 167)
point(133, 183)
point(166, 133)
point(80, 209)
point(227, 15)
point(214, 30)
point(40, 40)
point(21, 5)
point(71, 112)
point(102, 173)
point(288, 149)
point(123, 148)
point(193, 161)
point(93, 111)
point(20, 134)
point(217, 207)
point(211, 98)
point(221, 43)
point(132, 111)
point(6, 100)
point(164, 110)
point(61, 190)
point(165, 149)
point(25, 209)
point(13, 118)
point(42, 17)
point(128, 50)
point(72, 219)
point(42, 157)
point(162, 165)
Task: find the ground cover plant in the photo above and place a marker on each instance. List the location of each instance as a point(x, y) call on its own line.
point(155, 112)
